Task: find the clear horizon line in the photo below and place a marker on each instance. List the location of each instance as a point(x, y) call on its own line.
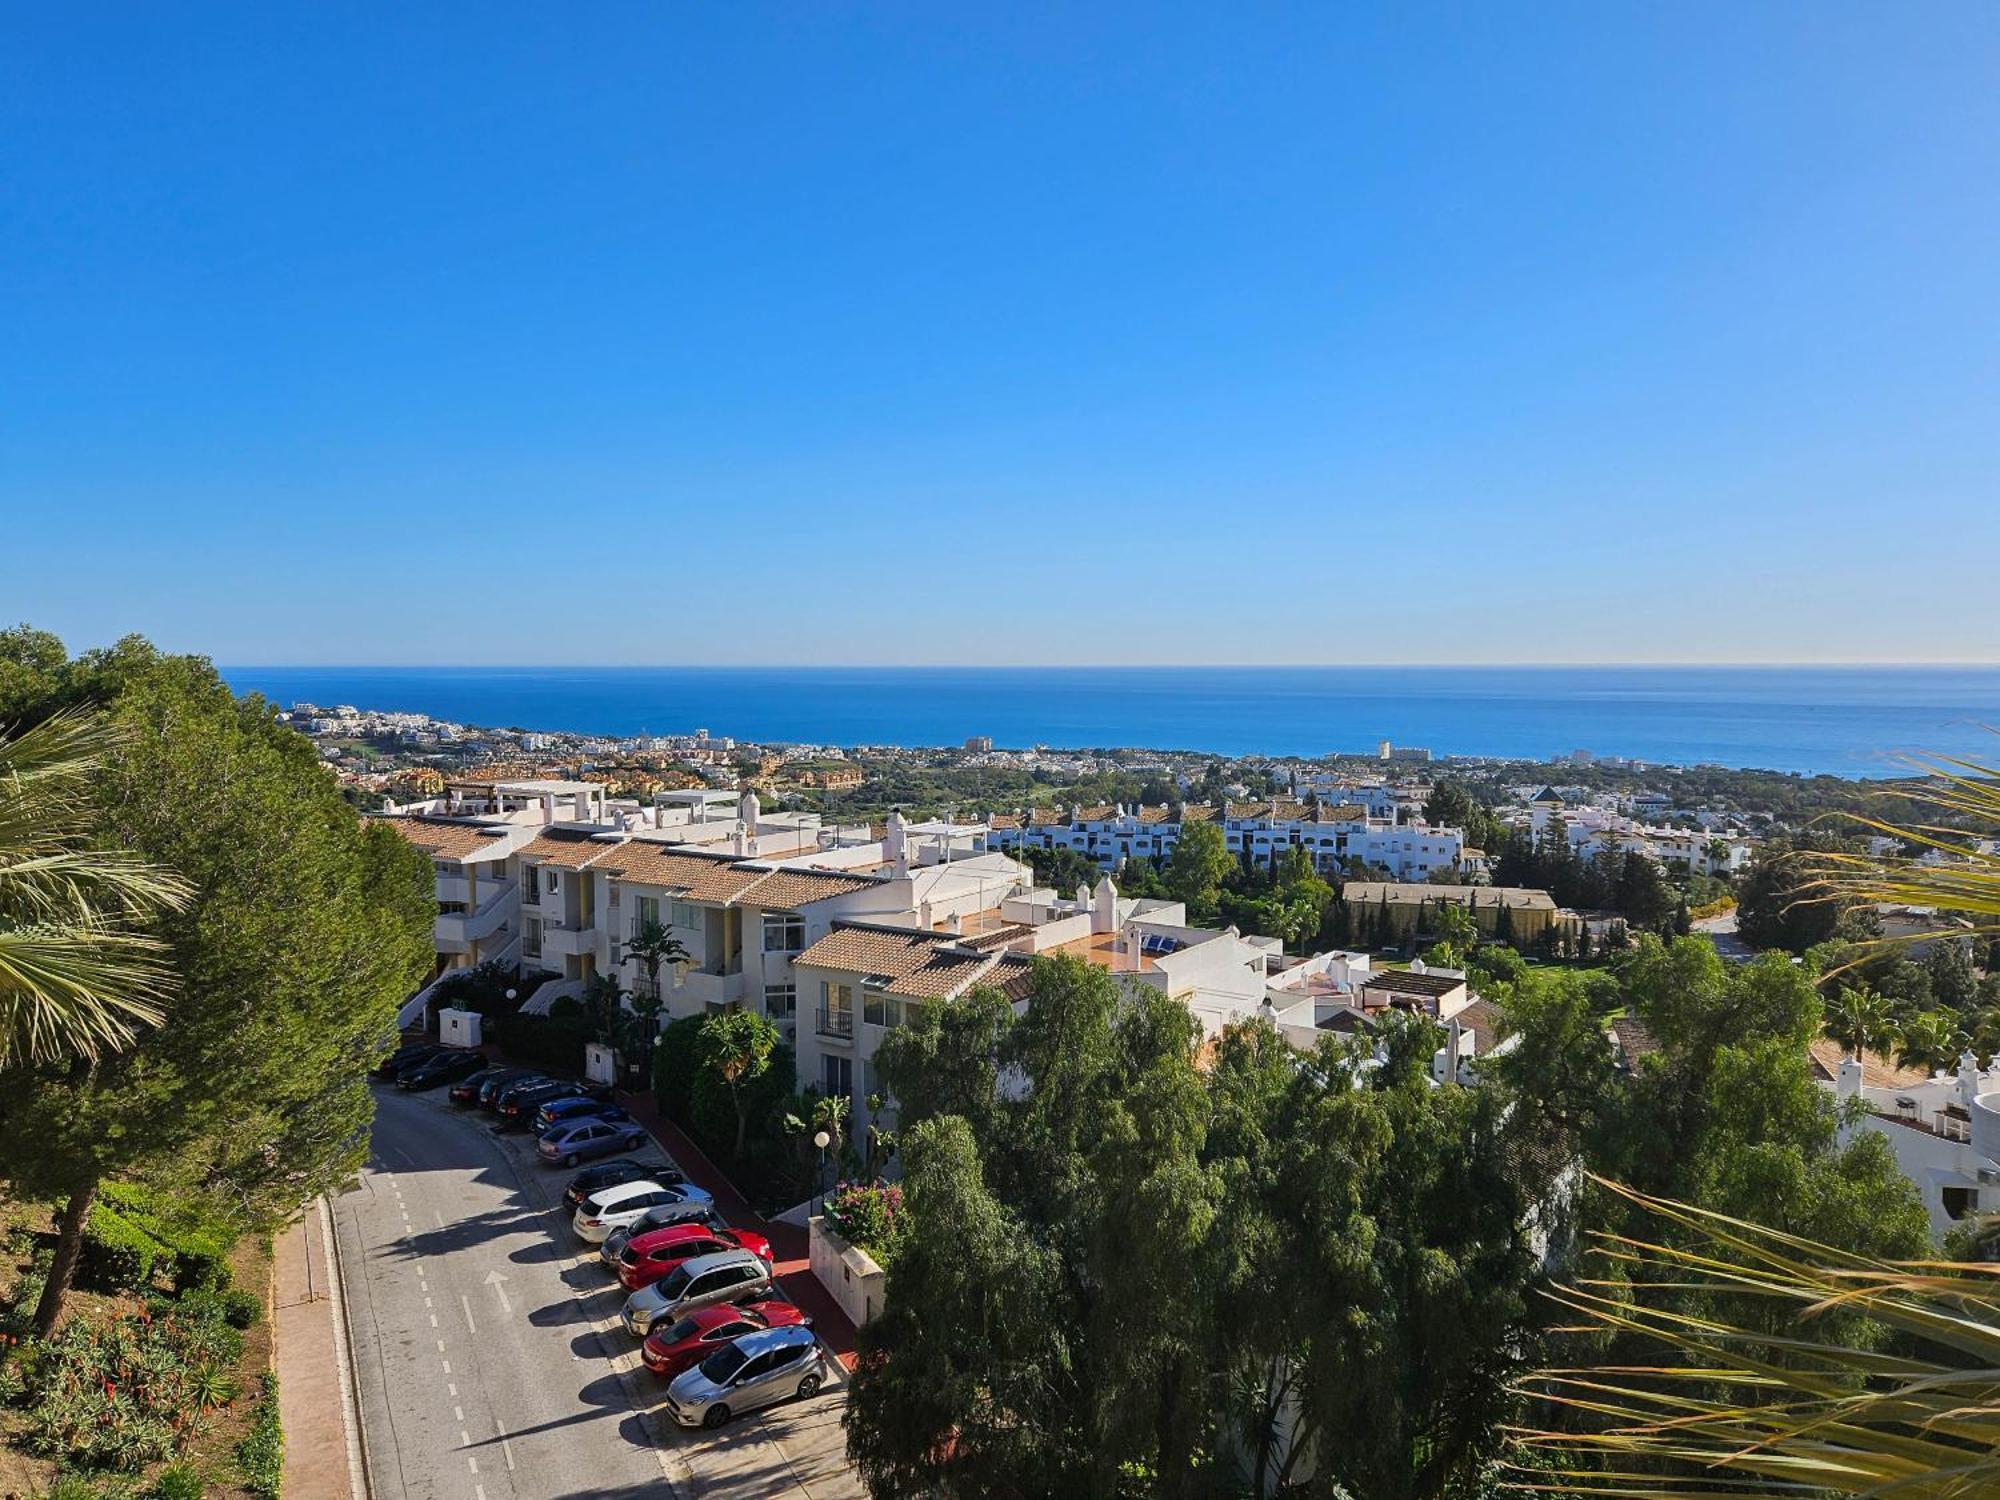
point(767, 666)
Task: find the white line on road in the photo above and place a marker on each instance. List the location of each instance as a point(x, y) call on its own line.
point(434, 1323)
point(472, 1463)
point(506, 1448)
point(446, 1363)
point(466, 1303)
point(450, 1389)
point(458, 1414)
point(464, 1438)
point(493, 1279)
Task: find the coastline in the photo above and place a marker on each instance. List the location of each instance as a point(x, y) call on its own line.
point(1849, 722)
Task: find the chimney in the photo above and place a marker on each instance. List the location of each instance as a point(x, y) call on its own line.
point(1104, 907)
point(1848, 1084)
point(740, 842)
point(894, 850)
point(1968, 1079)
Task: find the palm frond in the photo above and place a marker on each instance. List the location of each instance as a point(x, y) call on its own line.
point(1962, 877)
point(1733, 1411)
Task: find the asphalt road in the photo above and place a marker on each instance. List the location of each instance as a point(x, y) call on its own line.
point(1722, 932)
point(487, 1356)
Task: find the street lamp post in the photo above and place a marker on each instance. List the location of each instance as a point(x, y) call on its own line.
point(822, 1140)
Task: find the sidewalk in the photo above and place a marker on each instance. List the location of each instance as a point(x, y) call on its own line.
point(312, 1392)
point(789, 1243)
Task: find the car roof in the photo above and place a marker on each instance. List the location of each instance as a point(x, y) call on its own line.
point(672, 1234)
point(701, 1265)
point(784, 1336)
point(612, 1196)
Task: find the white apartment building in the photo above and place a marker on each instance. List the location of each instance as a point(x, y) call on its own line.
point(1332, 833)
point(1944, 1129)
point(864, 978)
point(1594, 830)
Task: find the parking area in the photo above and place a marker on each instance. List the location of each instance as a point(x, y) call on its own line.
point(490, 1357)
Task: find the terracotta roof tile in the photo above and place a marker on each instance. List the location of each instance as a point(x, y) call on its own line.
point(1198, 812)
point(915, 964)
point(568, 849)
point(444, 838)
point(789, 889)
point(1877, 1071)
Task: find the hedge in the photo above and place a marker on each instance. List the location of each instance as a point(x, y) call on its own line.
point(118, 1256)
point(546, 1041)
point(262, 1451)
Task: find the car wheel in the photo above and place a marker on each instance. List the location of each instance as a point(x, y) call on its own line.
point(570, 1160)
point(809, 1387)
point(715, 1416)
point(633, 1142)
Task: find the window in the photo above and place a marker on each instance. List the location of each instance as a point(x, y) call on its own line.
point(880, 1008)
point(784, 932)
point(836, 1009)
point(686, 914)
point(781, 1001)
point(649, 910)
point(551, 881)
point(837, 1076)
point(1959, 1202)
point(531, 885)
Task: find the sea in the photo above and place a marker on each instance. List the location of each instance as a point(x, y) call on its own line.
point(1845, 721)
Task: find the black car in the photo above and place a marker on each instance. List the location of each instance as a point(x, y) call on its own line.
point(466, 1090)
point(440, 1069)
point(611, 1173)
point(498, 1092)
point(519, 1108)
point(406, 1056)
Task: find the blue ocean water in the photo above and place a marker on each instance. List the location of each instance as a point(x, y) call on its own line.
point(1849, 721)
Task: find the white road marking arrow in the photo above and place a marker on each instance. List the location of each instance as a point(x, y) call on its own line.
point(493, 1279)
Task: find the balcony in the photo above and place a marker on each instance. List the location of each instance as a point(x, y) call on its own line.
point(707, 989)
point(835, 1024)
point(567, 942)
point(458, 888)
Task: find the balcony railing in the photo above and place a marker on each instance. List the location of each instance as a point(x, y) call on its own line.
point(835, 1022)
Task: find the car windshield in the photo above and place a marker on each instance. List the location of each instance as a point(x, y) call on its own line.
point(685, 1329)
point(724, 1363)
point(674, 1283)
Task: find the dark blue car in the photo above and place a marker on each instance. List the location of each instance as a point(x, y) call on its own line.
point(561, 1111)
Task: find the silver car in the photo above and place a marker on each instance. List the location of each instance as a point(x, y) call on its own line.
point(725, 1276)
point(661, 1216)
point(758, 1369)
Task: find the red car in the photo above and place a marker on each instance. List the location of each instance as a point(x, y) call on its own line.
point(668, 1351)
point(650, 1256)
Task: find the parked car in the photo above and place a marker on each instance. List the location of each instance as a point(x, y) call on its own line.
point(466, 1090)
point(610, 1173)
point(518, 1111)
point(607, 1209)
point(440, 1068)
point(577, 1107)
point(757, 1370)
point(707, 1281)
point(406, 1056)
point(494, 1090)
point(648, 1257)
point(578, 1140)
point(664, 1217)
point(668, 1351)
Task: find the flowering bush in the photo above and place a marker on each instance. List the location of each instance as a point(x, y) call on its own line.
point(125, 1392)
point(868, 1214)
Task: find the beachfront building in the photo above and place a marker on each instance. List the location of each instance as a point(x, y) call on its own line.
point(1333, 834)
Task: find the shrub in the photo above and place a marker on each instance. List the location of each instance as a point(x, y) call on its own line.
point(177, 1482)
point(676, 1062)
point(118, 1255)
point(554, 1042)
point(241, 1309)
point(262, 1451)
point(869, 1215)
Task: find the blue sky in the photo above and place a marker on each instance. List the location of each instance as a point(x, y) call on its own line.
point(915, 333)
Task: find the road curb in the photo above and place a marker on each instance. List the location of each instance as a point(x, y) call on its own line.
point(358, 1481)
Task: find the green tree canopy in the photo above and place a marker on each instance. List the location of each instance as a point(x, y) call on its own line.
point(305, 929)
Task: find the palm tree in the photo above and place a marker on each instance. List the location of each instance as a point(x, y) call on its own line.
point(77, 975)
point(1821, 1409)
point(655, 947)
point(1930, 1040)
point(1857, 1017)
